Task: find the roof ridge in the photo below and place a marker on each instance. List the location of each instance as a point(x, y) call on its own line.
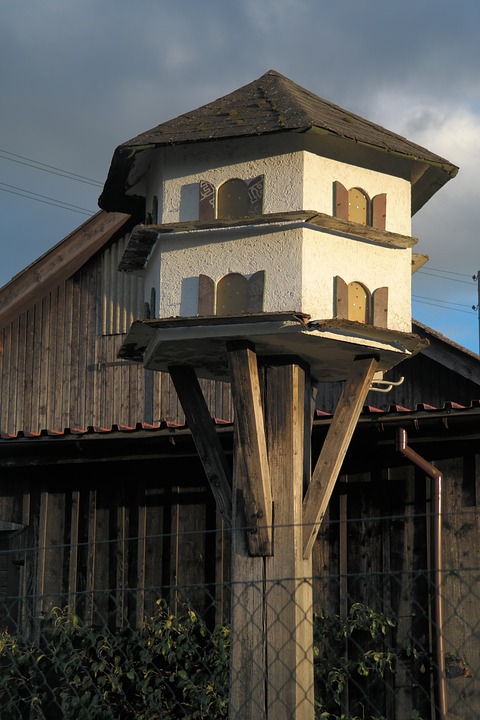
point(298, 94)
point(267, 106)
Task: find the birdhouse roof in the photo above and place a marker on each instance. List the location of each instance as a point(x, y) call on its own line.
point(273, 104)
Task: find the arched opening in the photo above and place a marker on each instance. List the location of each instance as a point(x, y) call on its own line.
point(358, 302)
point(231, 295)
point(358, 205)
point(233, 200)
point(234, 294)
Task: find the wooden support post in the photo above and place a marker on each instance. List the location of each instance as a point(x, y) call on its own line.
point(247, 698)
point(252, 449)
point(335, 447)
point(272, 623)
point(288, 587)
point(206, 440)
point(272, 614)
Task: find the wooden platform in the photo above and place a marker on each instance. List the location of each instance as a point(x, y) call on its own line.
point(327, 347)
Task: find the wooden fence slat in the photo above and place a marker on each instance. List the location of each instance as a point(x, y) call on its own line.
point(141, 559)
point(91, 556)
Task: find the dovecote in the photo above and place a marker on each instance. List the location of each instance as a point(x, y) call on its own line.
point(270, 202)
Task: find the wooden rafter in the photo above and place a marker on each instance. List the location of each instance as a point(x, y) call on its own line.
point(59, 263)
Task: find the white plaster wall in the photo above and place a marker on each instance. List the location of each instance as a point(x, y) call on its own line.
point(296, 180)
point(176, 183)
point(300, 264)
point(320, 173)
point(326, 255)
point(185, 256)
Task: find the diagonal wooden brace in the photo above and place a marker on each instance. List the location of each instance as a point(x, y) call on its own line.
point(206, 440)
point(251, 448)
point(334, 448)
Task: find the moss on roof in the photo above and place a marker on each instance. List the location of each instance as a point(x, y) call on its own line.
point(270, 104)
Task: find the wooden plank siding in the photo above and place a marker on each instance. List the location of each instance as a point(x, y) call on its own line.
point(58, 360)
point(109, 548)
point(425, 381)
point(461, 578)
point(374, 549)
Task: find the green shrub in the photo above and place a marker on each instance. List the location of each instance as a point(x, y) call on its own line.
point(174, 667)
point(171, 667)
point(351, 652)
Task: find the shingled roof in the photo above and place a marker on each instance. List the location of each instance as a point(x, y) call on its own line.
point(270, 104)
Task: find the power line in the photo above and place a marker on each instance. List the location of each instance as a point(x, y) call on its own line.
point(444, 307)
point(449, 272)
point(21, 160)
point(448, 302)
point(421, 272)
point(44, 199)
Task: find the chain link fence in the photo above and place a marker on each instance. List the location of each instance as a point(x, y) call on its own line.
point(400, 643)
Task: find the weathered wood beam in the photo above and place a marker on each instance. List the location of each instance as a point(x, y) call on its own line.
point(144, 237)
point(271, 664)
point(288, 575)
point(249, 428)
point(248, 660)
point(334, 448)
point(58, 263)
point(206, 440)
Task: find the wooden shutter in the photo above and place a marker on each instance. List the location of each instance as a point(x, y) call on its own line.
point(379, 211)
point(255, 195)
point(206, 295)
point(380, 307)
point(255, 288)
point(340, 200)
point(206, 201)
point(341, 298)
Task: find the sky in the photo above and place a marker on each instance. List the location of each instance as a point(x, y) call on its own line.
point(80, 77)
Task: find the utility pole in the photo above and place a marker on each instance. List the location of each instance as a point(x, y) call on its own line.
point(477, 308)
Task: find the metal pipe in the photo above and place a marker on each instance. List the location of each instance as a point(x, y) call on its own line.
point(387, 385)
point(437, 560)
